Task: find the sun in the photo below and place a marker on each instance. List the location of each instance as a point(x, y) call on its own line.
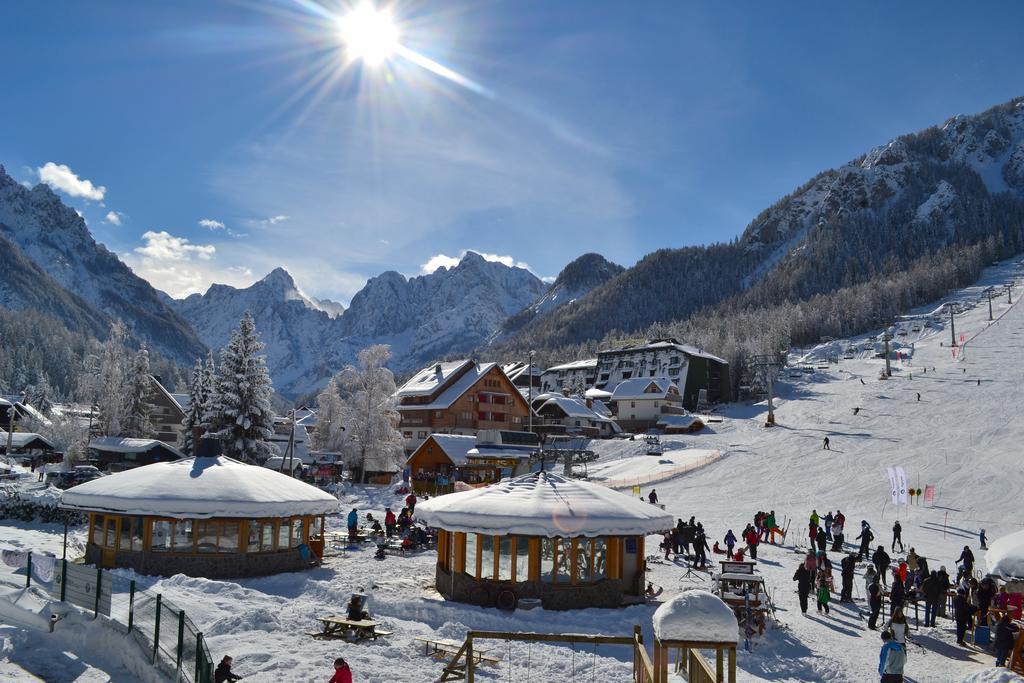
point(369, 34)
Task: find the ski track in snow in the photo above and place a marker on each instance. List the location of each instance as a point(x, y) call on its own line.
point(961, 437)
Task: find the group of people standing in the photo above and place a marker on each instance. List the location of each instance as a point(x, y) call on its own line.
point(682, 536)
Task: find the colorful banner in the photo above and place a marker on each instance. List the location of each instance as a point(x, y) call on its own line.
point(929, 493)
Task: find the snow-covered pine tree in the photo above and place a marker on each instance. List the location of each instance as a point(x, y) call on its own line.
point(139, 386)
point(330, 432)
point(239, 412)
point(197, 400)
point(368, 412)
point(108, 382)
point(209, 384)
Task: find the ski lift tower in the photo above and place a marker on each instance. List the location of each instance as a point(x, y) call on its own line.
point(767, 364)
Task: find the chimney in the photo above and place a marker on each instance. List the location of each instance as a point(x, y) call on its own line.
point(437, 369)
point(590, 403)
point(565, 391)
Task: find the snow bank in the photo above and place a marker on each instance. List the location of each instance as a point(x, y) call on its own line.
point(696, 615)
point(544, 504)
point(992, 675)
point(1005, 557)
point(200, 487)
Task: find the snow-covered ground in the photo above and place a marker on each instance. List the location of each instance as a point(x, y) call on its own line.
point(962, 437)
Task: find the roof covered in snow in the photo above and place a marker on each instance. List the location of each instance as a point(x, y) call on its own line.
point(1005, 557)
point(457, 388)
point(121, 444)
point(200, 488)
point(429, 379)
point(455, 446)
point(574, 365)
point(183, 401)
point(697, 616)
point(678, 421)
point(670, 343)
point(544, 504)
point(23, 439)
point(643, 388)
point(572, 407)
point(597, 394)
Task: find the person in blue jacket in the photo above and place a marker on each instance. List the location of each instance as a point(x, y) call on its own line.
point(891, 659)
point(353, 524)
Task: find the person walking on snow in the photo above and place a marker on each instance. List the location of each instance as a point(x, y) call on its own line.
point(730, 541)
point(821, 539)
point(891, 659)
point(652, 497)
point(837, 536)
point(805, 581)
point(353, 525)
point(823, 592)
point(874, 602)
point(982, 539)
point(919, 397)
point(933, 594)
point(962, 611)
point(966, 563)
point(897, 536)
point(848, 565)
point(824, 445)
point(828, 525)
point(881, 561)
point(865, 539)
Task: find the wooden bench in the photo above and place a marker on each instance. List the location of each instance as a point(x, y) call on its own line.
point(443, 647)
point(349, 629)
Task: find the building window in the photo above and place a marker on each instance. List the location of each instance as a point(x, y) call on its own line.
point(421, 435)
point(283, 533)
point(407, 435)
point(183, 536)
point(131, 533)
point(438, 414)
point(627, 375)
point(505, 558)
point(487, 567)
point(97, 530)
point(632, 404)
point(160, 538)
point(516, 420)
point(471, 554)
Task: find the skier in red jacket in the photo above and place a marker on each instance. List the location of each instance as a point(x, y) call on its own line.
point(389, 522)
point(750, 536)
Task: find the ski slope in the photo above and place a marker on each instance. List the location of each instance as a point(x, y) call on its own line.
point(962, 437)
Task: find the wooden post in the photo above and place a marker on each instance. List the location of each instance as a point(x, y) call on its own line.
point(660, 662)
point(99, 592)
point(131, 606)
point(156, 627)
point(470, 677)
point(732, 664)
point(719, 665)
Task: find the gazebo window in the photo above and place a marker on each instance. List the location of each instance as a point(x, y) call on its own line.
point(600, 563)
point(548, 550)
point(562, 560)
point(97, 530)
point(160, 540)
point(297, 526)
point(183, 537)
point(131, 533)
point(521, 571)
point(261, 536)
point(206, 536)
point(583, 559)
point(471, 555)
point(487, 567)
point(505, 558)
point(228, 537)
point(283, 532)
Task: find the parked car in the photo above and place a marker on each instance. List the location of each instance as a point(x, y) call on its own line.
point(73, 477)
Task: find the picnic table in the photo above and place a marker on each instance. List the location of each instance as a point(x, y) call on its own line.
point(443, 647)
point(349, 629)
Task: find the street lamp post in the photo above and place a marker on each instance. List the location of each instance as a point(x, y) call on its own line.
point(529, 393)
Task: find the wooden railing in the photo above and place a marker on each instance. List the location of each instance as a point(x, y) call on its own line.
point(464, 663)
point(697, 669)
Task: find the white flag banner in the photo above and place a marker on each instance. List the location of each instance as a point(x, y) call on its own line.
point(901, 479)
point(894, 487)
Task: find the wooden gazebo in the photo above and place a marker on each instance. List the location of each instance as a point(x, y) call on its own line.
point(692, 621)
point(211, 517)
point(542, 536)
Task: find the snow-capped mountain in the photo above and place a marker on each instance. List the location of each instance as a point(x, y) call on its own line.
point(301, 338)
point(955, 184)
point(576, 279)
point(423, 318)
point(55, 238)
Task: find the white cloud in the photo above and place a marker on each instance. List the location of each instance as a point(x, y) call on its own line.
point(113, 217)
point(274, 220)
point(61, 177)
point(211, 224)
point(438, 260)
point(163, 246)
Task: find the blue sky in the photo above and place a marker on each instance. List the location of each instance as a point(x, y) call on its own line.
point(211, 141)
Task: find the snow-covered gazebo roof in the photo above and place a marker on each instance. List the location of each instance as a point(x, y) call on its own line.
point(696, 616)
point(1005, 557)
point(200, 488)
point(544, 504)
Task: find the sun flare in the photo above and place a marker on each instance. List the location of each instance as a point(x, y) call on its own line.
point(369, 34)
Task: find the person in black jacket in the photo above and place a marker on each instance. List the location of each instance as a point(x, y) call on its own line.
point(933, 595)
point(805, 581)
point(848, 565)
point(897, 594)
point(966, 563)
point(865, 539)
point(1004, 638)
point(881, 561)
point(897, 536)
point(874, 602)
point(223, 672)
point(700, 548)
point(962, 611)
point(986, 592)
point(821, 539)
point(946, 585)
